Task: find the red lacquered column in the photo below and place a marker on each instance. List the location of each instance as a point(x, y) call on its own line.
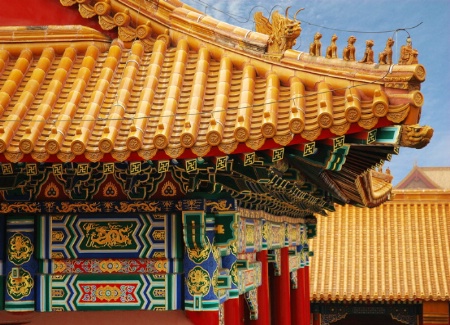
point(296, 300)
point(232, 312)
point(203, 317)
point(263, 292)
point(307, 298)
point(281, 298)
point(302, 293)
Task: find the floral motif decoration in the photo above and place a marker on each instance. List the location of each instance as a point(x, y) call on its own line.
point(51, 191)
point(169, 189)
point(113, 266)
point(110, 190)
point(124, 293)
point(110, 266)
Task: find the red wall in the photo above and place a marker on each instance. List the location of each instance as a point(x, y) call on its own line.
point(44, 12)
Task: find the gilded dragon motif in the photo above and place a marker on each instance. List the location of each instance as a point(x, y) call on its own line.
point(20, 249)
point(415, 136)
point(282, 32)
point(19, 287)
point(109, 235)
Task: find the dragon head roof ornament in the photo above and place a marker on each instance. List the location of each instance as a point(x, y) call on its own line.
point(282, 32)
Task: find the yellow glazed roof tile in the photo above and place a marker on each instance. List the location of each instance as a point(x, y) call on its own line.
point(180, 84)
point(397, 251)
point(250, 109)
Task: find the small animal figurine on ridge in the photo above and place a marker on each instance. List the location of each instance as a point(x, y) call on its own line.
point(332, 48)
point(368, 53)
point(315, 47)
point(349, 51)
point(385, 57)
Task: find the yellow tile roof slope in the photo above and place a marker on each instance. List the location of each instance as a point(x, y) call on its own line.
point(181, 84)
point(426, 178)
point(397, 251)
point(439, 175)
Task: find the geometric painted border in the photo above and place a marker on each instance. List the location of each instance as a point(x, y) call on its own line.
point(116, 292)
point(148, 236)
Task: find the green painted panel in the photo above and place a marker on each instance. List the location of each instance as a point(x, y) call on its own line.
point(106, 234)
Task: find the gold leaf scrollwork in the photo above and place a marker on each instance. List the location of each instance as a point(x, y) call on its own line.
point(199, 255)
point(221, 205)
point(79, 207)
point(138, 206)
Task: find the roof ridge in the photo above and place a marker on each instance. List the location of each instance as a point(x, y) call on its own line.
point(410, 177)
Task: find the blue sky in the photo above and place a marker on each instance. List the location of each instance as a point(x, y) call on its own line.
point(431, 39)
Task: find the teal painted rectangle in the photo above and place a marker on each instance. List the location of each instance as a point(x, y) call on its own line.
point(173, 244)
point(233, 293)
point(43, 230)
point(174, 293)
point(388, 135)
point(44, 293)
point(205, 305)
point(19, 305)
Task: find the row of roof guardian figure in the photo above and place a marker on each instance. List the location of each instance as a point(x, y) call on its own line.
point(284, 31)
point(408, 55)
